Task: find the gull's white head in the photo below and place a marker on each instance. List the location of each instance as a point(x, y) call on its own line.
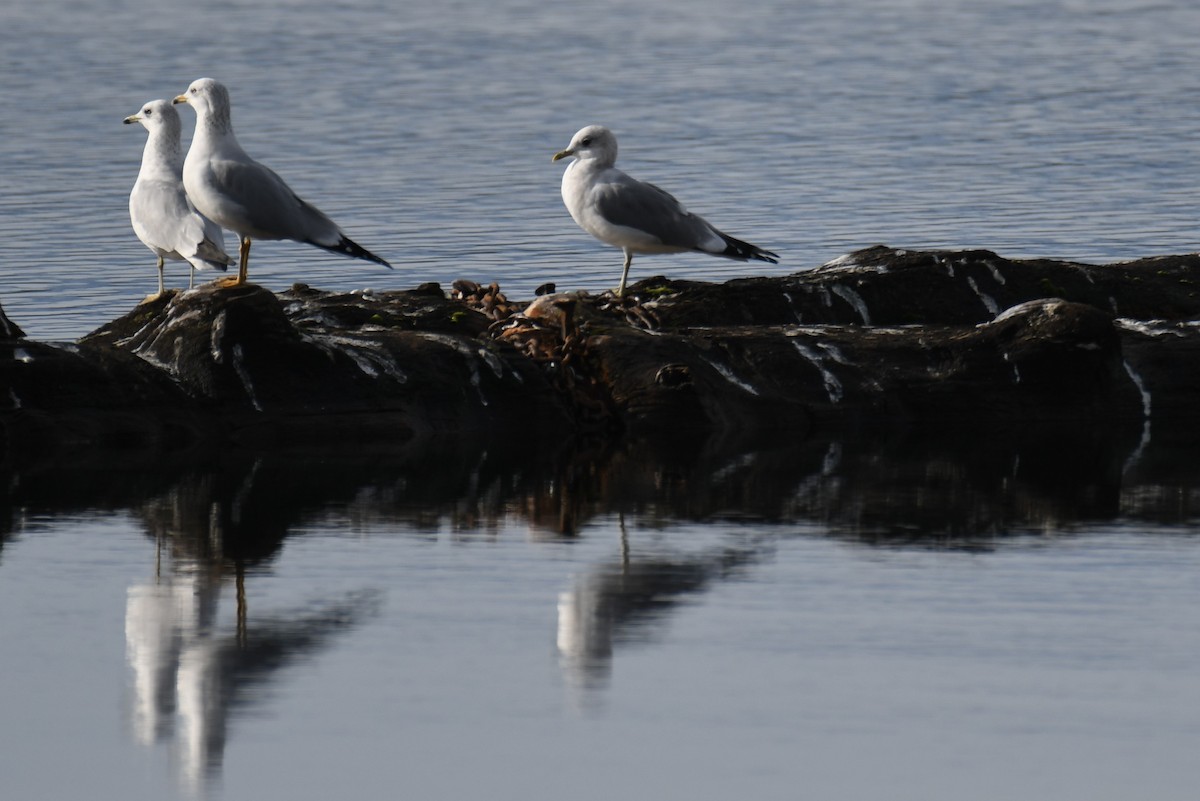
point(157, 115)
point(593, 143)
point(208, 97)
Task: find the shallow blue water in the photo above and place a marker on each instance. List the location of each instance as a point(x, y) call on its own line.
point(1059, 129)
point(757, 626)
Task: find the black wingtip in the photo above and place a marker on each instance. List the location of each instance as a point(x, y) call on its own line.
point(348, 247)
point(737, 249)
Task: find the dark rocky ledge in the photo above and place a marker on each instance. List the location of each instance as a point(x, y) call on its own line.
point(963, 338)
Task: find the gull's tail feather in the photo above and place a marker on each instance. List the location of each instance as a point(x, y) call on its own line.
point(744, 251)
point(209, 264)
point(210, 257)
point(348, 247)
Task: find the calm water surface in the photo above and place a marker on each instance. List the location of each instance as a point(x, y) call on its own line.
point(905, 618)
point(986, 618)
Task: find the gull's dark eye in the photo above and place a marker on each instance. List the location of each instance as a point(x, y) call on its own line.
point(149, 112)
point(587, 141)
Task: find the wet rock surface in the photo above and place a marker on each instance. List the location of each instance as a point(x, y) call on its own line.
point(881, 336)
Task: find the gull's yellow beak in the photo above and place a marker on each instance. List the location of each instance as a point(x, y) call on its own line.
point(179, 99)
point(132, 118)
point(562, 154)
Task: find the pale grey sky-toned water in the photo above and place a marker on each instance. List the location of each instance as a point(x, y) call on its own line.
point(1052, 129)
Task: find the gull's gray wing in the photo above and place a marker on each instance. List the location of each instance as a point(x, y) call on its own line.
point(625, 201)
point(267, 206)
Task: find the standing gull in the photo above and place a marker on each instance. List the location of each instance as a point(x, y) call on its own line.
point(159, 209)
point(244, 196)
point(635, 216)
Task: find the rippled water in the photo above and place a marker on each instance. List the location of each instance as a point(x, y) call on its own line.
point(892, 618)
point(1060, 129)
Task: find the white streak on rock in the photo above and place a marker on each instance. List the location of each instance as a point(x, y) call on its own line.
point(492, 361)
point(833, 387)
point(792, 303)
point(834, 352)
point(240, 368)
point(1050, 305)
point(1016, 372)
point(154, 361)
point(372, 358)
point(1149, 328)
point(173, 321)
point(470, 353)
point(216, 336)
point(845, 260)
point(1136, 455)
point(1141, 387)
point(848, 263)
point(854, 299)
point(728, 375)
point(988, 302)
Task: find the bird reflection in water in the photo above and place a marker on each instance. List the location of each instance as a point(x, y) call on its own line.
point(617, 604)
point(191, 674)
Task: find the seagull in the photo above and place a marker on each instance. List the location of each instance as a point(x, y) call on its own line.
point(162, 216)
point(632, 215)
point(244, 196)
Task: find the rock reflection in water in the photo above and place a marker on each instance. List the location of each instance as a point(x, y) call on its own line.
point(905, 485)
point(213, 518)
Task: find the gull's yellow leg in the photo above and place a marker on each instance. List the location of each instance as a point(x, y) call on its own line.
point(244, 265)
point(244, 252)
